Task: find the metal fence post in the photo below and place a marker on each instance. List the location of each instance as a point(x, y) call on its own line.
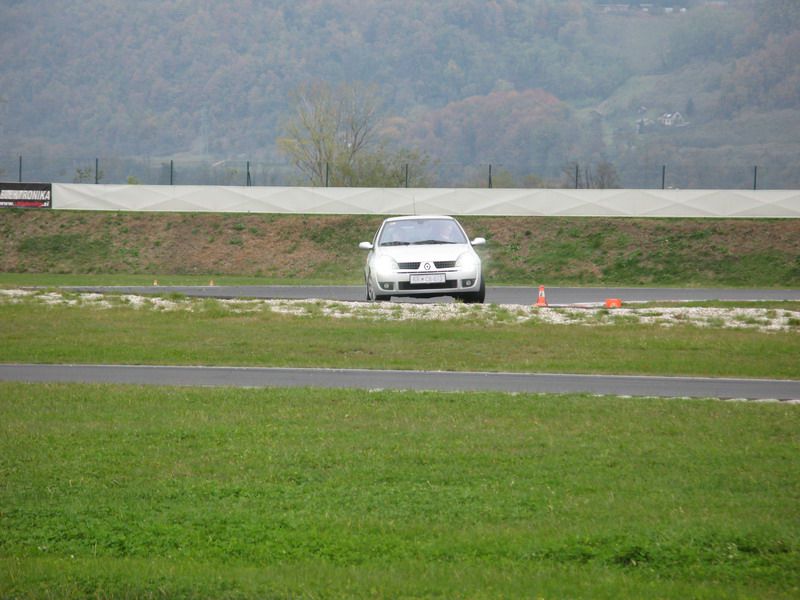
point(171, 167)
point(96, 171)
point(406, 174)
point(249, 183)
point(577, 174)
point(755, 177)
point(20, 169)
point(490, 176)
point(663, 176)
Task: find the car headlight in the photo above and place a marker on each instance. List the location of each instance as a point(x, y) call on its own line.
point(384, 264)
point(468, 260)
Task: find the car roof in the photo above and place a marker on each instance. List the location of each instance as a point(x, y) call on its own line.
point(416, 217)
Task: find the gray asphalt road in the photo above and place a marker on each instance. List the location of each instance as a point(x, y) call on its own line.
point(693, 387)
point(495, 295)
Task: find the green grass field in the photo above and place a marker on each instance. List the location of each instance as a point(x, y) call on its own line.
point(215, 335)
point(12, 280)
point(124, 491)
point(151, 492)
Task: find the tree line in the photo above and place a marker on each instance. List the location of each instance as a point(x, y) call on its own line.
point(455, 82)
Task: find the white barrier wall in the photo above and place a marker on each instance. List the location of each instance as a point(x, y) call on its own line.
point(455, 201)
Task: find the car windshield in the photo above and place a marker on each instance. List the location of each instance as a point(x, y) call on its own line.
point(410, 232)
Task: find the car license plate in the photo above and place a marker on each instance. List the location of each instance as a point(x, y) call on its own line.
point(427, 278)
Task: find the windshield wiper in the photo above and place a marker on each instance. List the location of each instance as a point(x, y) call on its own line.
point(394, 243)
point(433, 242)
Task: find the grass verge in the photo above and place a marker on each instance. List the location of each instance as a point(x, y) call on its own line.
point(216, 335)
point(143, 491)
point(132, 279)
point(324, 248)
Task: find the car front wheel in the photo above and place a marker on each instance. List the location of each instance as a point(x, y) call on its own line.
point(370, 292)
point(476, 297)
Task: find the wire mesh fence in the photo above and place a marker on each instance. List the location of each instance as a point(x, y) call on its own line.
point(243, 172)
point(146, 171)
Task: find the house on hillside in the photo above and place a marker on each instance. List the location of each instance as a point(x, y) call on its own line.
point(672, 120)
point(668, 119)
point(616, 8)
point(648, 8)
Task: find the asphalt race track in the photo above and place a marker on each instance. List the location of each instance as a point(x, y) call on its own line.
point(691, 387)
point(496, 295)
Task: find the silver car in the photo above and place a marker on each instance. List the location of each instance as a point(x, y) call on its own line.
point(423, 256)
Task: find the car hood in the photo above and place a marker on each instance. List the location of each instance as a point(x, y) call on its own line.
point(437, 252)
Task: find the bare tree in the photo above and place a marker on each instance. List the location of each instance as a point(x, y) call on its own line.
point(86, 175)
point(330, 129)
point(606, 176)
point(603, 176)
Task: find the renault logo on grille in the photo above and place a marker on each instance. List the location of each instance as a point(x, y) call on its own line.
point(427, 266)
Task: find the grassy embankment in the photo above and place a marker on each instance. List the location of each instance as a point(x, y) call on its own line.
point(113, 491)
point(63, 247)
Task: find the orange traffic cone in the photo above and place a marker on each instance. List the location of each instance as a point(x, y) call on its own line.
point(542, 300)
point(613, 303)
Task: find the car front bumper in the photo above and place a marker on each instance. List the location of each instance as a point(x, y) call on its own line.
point(403, 283)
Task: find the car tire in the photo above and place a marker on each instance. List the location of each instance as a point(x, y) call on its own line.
point(476, 297)
point(370, 293)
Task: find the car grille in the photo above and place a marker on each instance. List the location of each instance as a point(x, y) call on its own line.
point(413, 266)
point(405, 285)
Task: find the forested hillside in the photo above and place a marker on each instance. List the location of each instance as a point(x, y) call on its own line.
point(530, 86)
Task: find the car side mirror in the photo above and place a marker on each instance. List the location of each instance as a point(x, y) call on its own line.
point(479, 241)
point(365, 246)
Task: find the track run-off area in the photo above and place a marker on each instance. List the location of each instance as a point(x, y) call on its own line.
point(426, 380)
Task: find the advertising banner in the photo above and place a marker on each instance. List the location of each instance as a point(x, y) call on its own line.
point(26, 195)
